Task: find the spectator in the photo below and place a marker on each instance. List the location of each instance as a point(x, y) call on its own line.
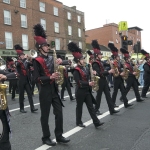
point(140, 67)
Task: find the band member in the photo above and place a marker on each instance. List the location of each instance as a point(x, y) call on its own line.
point(48, 93)
point(83, 88)
point(118, 74)
point(24, 82)
point(91, 58)
point(131, 80)
point(12, 68)
point(4, 114)
point(146, 76)
point(103, 84)
point(66, 84)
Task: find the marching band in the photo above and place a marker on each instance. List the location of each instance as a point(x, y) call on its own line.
point(43, 70)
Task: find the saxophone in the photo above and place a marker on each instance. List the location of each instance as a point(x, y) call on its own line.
point(116, 71)
point(95, 79)
point(59, 69)
point(135, 69)
point(3, 97)
point(126, 72)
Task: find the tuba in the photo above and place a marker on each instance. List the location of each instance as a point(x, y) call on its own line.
point(59, 69)
point(95, 79)
point(126, 71)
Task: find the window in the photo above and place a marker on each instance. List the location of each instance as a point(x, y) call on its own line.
point(55, 11)
point(23, 3)
point(79, 19)
point(56, 27)
point(6, 1)
point(116, 32)
point(80, 45)
point(117, 41)
point(57, 44)
point(7, 17)
point(69, 30)
point(69, 15)
point(42, 6)
point(24, 21)
point(137, 32)
point(25, 41)
point(8, 40)
point(79, 32)
point(43, 23)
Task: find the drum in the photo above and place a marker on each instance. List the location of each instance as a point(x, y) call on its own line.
point(1, 129)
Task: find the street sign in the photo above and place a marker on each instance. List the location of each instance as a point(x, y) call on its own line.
point(123, 26)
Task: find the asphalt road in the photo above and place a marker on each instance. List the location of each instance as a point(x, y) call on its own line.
point(127, 130)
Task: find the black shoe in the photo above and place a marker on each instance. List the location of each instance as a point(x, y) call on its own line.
point(128, 105)
point(116, 106)
point(62, 140)
point(34, 109)
point(23, 111)
point(140, 100)
point(98, 125)
point(114, 112)
point(49, 142)
point(63, 99)
point(81, 125)
point(72, 98)
point(98, 112)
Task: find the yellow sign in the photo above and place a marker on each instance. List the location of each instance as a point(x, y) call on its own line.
point(123, 26)
point(135, 56)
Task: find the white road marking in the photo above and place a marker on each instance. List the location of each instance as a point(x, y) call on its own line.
point(77, 129)
point(29, 105)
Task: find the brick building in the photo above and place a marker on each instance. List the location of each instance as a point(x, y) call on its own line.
point(19, 16)
point(110, 33)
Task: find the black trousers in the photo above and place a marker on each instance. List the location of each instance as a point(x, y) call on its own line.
point(118, 84)
point(4, 142)
point(14, 87)
point(66, 84)
point(103, 87)
point(23, 84)
point(48, 96)
point(10, 86)
point(146, 86)
point(132, 82)
point(79, 107)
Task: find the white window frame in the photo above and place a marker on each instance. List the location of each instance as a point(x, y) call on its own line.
point(79, 19)
point(79, 32)
point(7, 19)
point(57, 44)
point(42, 6)
point(56, 27)
point(23, 22)
point(80, 44)
point(55, 9)
point(43, 23)
point(69, 15)
point(69, 30)
point(6, 1)
point(25, 43)
point(23, 3)
point(9, 40)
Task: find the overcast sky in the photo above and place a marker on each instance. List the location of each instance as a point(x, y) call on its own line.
point(98, 12)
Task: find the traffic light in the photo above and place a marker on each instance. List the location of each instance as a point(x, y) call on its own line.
point(130, 42)
point(52, 44)
point(124, 41)
point(139, 46)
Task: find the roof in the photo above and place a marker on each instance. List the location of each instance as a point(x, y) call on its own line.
point(136, 28)
point(103, 48)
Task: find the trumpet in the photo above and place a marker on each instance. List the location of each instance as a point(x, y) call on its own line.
point(32, 53)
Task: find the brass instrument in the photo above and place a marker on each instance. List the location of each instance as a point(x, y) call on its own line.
point(32, 53)
point(3, 87)
point(135, 69)
point(59, 69)
point(125, 71)
point(95, 79)
point(116, 71)
point(3, 98)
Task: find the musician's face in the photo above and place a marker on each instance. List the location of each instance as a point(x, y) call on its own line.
point(22, 56)
point(82, 61)
point(100, 56)
point(118, 58)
